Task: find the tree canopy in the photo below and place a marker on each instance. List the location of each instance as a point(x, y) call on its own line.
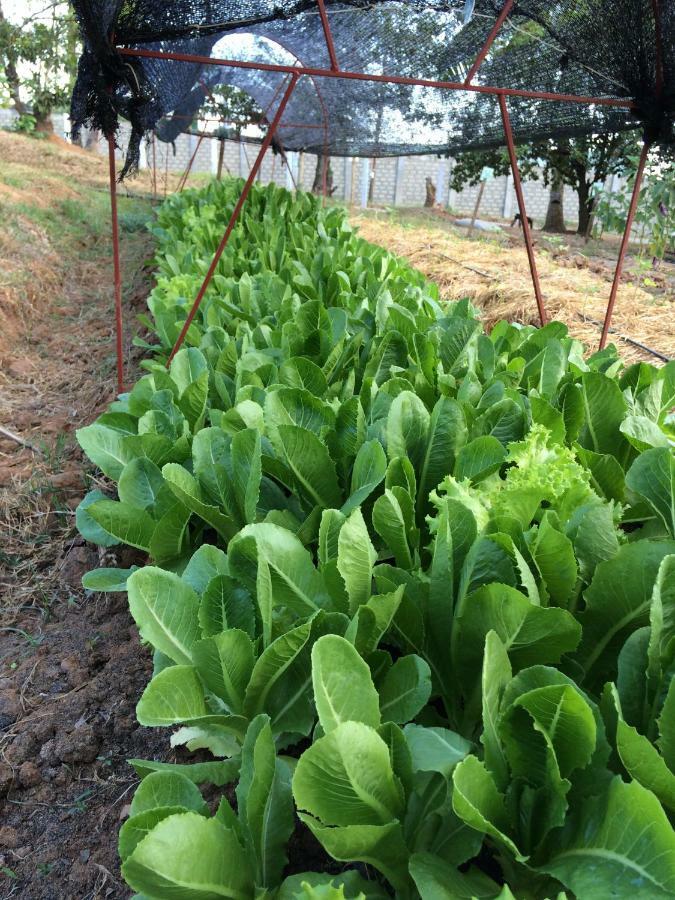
point(38, 59)
point(581, 163)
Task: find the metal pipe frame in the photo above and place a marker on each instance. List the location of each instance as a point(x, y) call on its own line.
point(277, 91)
point(296, 71)
point(529, 246)
point(235, 215)
point(330, 46)
point(259, 123)
point(625, 240)
point(312, 72)
point(635, 197)
point(188, 168)
point(496, 28)
point(117, 269)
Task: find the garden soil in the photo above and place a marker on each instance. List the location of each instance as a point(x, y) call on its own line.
point(71, 665)
point(71, 669)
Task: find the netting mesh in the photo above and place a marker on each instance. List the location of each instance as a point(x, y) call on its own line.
point(621, 49)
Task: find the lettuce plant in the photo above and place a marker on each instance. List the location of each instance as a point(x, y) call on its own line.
point(408, 583)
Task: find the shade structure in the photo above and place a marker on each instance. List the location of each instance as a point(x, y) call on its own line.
point(381, 77)
point(375, 77)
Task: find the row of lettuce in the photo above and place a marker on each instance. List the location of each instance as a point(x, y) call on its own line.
point(410, 586)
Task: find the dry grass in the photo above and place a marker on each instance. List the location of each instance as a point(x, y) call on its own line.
point(64, 166)
point(56, 347)
point(57, 356)
point(494, 273)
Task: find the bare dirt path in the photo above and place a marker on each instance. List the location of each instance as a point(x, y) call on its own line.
point(70, 667)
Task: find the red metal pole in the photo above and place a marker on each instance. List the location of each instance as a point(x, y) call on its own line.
point(624, 244)
point(501, 18)
point(329, 36)
point(154, 167)
point(324, 165)
point(117, 271)
point(259, 123)
point(184, 177)
point(508, 133)
point(236, 122)
point(384, 79)
point(235, 215)
point(277, 91)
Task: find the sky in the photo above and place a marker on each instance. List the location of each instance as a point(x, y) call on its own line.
point(18, 10)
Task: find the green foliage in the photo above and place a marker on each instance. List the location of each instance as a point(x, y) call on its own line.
point(38, 61)
point(583, 163)
point(413, 578)
point(655, 214)
point(25, 124)
point(231, 106)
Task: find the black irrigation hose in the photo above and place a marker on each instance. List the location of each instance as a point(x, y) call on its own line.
point(627, 339)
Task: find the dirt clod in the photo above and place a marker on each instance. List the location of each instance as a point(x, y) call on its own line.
point(9, 838)
point(28, 775)
point(77, 561)
point(81, 745)
point(6, 779)
point(10, 705)
point(20, 368)
point(71, 479)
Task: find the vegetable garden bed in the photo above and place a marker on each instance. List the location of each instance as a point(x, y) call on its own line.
point(411, 585)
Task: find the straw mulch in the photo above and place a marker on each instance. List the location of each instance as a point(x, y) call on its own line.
point(494, 273)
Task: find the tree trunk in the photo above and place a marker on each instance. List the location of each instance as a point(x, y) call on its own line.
point(221, 157)
point(92, 140)
point(430, 199)
point(585, 207)
point(591, 220)
point(12, 76)
point(44, 123)
point(555, 217)
point(317, 185)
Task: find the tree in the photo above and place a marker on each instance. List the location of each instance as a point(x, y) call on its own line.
point(586, 162)
point(555, 212)
point(318, 183)
point(654, 220)
point(581, 163)
point(233, 107)
point(38, 60)
point(8, 64)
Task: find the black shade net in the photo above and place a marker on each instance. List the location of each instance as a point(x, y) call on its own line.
point(612, 49)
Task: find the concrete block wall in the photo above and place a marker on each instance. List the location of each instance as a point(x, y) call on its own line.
point(397, 181)
point(60, 121)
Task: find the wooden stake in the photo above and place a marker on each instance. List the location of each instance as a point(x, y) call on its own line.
point(221, 154)
point(479, 199)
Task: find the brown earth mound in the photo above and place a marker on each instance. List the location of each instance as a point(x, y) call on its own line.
point(70, 668)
